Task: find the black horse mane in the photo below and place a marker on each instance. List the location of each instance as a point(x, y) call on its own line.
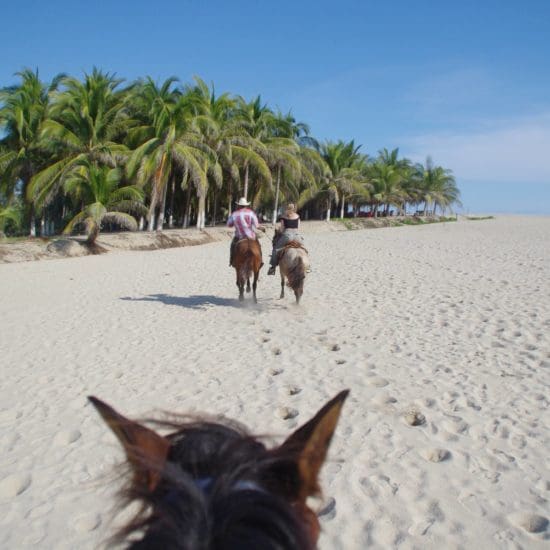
point(221, 489)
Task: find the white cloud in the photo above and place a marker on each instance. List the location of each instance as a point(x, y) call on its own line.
point(512, 151)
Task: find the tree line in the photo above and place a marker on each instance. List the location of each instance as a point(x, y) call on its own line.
point(97, 153)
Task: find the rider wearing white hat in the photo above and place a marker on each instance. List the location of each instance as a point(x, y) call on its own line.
point(245, 222)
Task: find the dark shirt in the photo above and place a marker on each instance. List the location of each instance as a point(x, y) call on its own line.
point(290, 224)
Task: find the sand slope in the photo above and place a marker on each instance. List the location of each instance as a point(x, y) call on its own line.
point(447, 325)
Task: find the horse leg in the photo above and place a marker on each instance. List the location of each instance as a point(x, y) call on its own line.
point(282, 286)
point(255, 284)
point(248, 284)
point(299, 291)
point(240, 286)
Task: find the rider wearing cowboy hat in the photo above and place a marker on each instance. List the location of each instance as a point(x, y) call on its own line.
point(245, 222)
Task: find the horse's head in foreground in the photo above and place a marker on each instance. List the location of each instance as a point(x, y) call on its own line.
point(213, 486)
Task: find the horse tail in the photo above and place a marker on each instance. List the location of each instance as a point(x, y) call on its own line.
point(247, 267)
point(296, 272)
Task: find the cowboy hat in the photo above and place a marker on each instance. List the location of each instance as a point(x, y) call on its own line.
point(243, 202)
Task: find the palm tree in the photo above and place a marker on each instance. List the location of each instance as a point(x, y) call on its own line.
point(9, 213)
point(166, 141)
point(315, 175)
point(97, 189)
point(438, 187)
point(386, 184)
point(284, 160)
point(403, 183)
point(23, 111)
point(216, 121)
point(287, 157)
point(258, 121)
point(345, 175)
point(85, 120)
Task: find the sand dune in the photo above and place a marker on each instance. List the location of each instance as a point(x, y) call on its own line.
point(442, 332)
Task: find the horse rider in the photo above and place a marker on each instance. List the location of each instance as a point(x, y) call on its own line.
point(245, 222)
point(288, 231)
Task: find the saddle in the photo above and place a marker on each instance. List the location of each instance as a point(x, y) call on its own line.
point(291, 244)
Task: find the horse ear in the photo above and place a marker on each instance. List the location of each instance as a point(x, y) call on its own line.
point(311, 442)
point(146, 450)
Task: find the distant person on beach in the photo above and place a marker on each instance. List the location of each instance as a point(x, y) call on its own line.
point(288, 231)
point(245, 222)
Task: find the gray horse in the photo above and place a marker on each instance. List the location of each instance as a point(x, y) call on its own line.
point(293, 265)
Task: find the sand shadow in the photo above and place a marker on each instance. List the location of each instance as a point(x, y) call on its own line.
point(191, 302)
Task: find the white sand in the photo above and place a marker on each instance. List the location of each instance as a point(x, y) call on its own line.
point(449, 320)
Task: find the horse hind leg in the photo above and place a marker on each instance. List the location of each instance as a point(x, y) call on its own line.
point(282, 286)
point(240, 286)
point(254, 285)
point(298, 291)
point(248, 284)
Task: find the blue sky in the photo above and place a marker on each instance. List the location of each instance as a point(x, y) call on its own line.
point(466, 82)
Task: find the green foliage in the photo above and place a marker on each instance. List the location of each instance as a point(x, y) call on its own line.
point(78, 152)
point(347, 224)
point(412, 221)
point(97, 188)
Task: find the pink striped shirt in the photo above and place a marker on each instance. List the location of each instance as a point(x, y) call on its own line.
point(245, 222)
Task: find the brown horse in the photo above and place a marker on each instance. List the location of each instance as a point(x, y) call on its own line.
point(212, 486)
point(293, 264)
point(247, 261)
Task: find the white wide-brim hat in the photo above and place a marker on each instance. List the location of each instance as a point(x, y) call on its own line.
point(243, 202)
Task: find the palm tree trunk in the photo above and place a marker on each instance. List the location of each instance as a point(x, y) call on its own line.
point(245, 190)
point(328, 211)
point(151, 223)
point(171, 218)
point(32, 229)
point(92, 235)
point(343, 206)
point(141, 223)
point(154, 194)
point(160, 219)
point(215, 213)
point(187, 206)
point(201, 211)
point(276, 207)
point(152, 209)
point(43, 224)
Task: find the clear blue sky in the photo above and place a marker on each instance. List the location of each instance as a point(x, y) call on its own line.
point(467, 82)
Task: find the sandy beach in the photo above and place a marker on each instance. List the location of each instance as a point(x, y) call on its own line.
point(447, 324)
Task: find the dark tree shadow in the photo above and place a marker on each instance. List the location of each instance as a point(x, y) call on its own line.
point(192, 302)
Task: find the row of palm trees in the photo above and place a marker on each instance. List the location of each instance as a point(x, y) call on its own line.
point(95, 153)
